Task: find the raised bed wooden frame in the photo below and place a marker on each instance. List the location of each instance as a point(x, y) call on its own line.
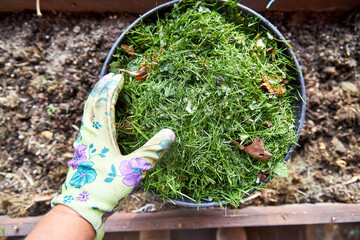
point(141, 6)
point(296, 214)
point(188, 218)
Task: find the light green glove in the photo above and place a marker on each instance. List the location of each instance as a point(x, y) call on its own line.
point(100, 179)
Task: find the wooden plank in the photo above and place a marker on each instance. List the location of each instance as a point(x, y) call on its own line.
point(279, 233)
point(122, 236)
point(156, 234)
point(186, 218)
point(141, 6)
point(18, 226)
point(297, 214)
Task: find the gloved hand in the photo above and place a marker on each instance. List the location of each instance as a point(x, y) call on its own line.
point(100, 179)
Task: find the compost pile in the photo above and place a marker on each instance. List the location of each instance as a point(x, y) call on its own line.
point(48, 66)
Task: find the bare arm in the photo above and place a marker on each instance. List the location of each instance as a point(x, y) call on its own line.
point(62, 223)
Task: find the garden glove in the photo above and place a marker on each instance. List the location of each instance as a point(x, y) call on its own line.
point(100, 179)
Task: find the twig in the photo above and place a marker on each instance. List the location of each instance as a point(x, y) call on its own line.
point(38, 12)
point(302, 193)
point(27, 177)
point(352, 180)
point(150, 207)
point(133, 196)
point(255, 195)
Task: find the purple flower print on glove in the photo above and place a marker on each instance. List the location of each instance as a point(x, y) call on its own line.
point(83, 197)
point(133, 170)
point(79, 156)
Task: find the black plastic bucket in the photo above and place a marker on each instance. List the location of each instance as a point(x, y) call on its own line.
point(299, 105)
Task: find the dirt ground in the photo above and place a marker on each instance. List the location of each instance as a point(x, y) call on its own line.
point(48, 66)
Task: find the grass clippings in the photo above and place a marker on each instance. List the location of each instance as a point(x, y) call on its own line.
point(212, 78)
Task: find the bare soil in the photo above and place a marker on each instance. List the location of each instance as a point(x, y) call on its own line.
point(49, 64)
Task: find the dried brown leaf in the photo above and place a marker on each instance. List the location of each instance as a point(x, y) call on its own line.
point(280, 90)
point(265, 84)
point(140, 74)
point(141, 78)
point(129, 50)
point(255, 149)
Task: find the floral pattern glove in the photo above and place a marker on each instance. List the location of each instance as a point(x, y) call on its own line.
point(100, 179)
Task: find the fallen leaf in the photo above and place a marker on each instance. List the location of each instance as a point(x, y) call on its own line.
point(140, 74)
point(280, 90)
point(141, 78)
point(265, 84)
point(129, 50)
point(281, 169)
point(256, 149)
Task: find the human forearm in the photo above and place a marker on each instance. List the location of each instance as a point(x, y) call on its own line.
point(62, 223)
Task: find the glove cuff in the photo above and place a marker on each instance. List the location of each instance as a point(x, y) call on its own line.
point(94, 211)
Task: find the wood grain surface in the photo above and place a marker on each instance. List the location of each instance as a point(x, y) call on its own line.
point(187, 218)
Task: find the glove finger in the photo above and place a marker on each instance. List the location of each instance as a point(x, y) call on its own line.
point(99, 111)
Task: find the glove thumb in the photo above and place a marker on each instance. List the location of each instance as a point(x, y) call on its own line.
point(155, 148)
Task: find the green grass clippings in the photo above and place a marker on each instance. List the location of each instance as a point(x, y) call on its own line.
point(204, 71)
